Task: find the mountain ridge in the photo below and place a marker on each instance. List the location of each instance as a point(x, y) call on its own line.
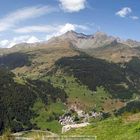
point(98, 39)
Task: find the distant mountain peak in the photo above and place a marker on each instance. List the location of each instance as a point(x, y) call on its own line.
point(98, 33)
point(72, 35)
point(132, 43)
point(71, 32)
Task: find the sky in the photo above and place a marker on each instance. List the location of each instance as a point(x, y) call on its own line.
point(38, 20)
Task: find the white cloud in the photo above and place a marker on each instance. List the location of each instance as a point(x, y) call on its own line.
point(30, 29)
point(67, 27)
point(134, 17)
point(72, 5)
point(50, 28)
point(16, 40)
point(82, 27)
point(57, 29)
point(32, 39)
point(23, 14)
point(124, 12)
point(4, 42)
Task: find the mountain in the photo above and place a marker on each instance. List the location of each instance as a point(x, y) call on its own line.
point(115, 52)
point(83, 41)
point(132, 43)
point(102, 46)
point(87, 72)
point(99, 39)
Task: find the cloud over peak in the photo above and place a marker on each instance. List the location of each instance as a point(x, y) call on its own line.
point(51, 30)
point(61, 29)
point(72, 5)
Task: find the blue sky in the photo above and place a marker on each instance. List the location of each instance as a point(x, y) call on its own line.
point(38, 20)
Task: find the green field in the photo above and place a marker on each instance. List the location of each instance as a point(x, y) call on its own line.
point(46, 118)
point(111, 129)
point(79, 94)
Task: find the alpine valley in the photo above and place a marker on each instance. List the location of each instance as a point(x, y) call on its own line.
point(72, 79)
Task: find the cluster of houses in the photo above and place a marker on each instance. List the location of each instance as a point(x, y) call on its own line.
point(68, 119)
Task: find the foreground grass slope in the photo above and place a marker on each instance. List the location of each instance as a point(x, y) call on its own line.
point(119, 128)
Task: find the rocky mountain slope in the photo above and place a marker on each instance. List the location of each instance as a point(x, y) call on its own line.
point(99, 39)
point(102, 46)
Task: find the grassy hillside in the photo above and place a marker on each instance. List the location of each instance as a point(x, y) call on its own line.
point(79, 95)
point(94, 72)
point(127, 127)
point(47, 116)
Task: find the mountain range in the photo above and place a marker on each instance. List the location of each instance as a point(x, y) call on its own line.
point(99, 45)
point(69, 71)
